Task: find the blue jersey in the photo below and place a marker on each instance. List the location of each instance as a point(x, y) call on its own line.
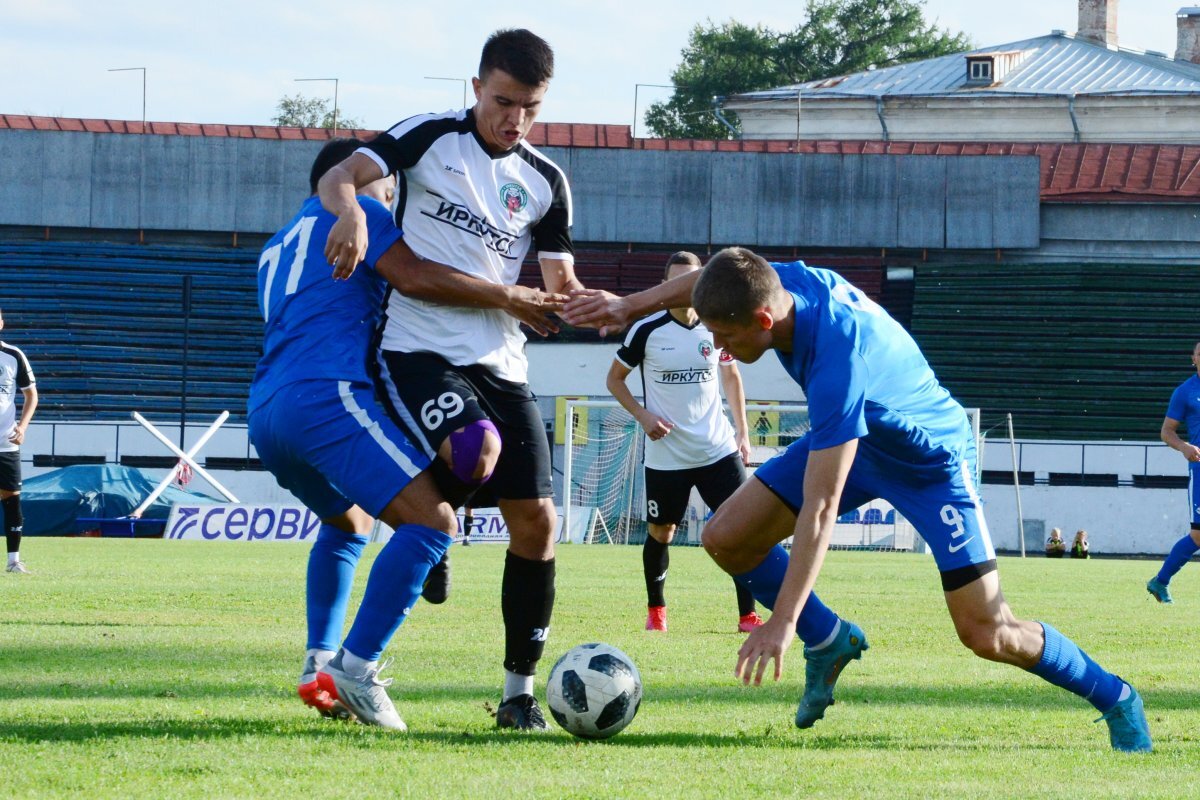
point(1185, 407)
point(864, 376)
point(317, 327)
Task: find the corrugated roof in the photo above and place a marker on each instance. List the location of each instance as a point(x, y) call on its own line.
point(1057, 64)
point(1070, 172)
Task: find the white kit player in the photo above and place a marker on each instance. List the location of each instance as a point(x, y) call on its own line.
point(689, 441)
point(15, 376)
point(474, 196)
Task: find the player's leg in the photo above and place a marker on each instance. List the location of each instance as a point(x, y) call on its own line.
point(340, 539)
point(667, 493)
point(1184, 549)
point(716, 483)
point(743, 538)
point(437, 403)
point(950, 518)
point(10, 504)
point(525, 495)
point(377, 465)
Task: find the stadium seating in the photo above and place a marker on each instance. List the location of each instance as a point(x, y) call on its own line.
point(872, 516)
point(104, 327)
point(850, 518)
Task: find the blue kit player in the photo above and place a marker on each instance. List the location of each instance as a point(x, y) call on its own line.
point(316, 426)
point(1184, 407)
point(882, 426)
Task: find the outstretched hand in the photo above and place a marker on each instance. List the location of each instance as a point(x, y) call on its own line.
point(533, 307)
point(595, 308)
point(765, 643)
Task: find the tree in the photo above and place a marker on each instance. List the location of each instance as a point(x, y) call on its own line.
point(298, 111)
point(840, 37)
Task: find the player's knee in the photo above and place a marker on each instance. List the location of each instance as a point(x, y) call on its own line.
point(472, 451)
point(984, 640)
point(722, 541)
point(662, 533)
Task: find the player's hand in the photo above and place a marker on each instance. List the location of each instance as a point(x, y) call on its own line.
point(1191, 453)
point(533, 307)
point(346, 244)
point(17, 436)
point(655, 426)
point(594, 308)
point(765, 643)
point(743, 446)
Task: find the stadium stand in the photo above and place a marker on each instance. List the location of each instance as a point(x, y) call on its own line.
point(103, 324)
point(1099, 348)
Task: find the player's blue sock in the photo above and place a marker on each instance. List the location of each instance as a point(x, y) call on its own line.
point(331, 563)
point(1180, 554)
point(816, 621)
point(1065, 665)
point(393, 587)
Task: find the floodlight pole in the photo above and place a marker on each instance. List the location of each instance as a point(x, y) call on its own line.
point(463, 81)
point(335, 97)
point(132, 69)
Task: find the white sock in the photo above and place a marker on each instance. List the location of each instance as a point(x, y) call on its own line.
point(1126, 690)
point(14, 557)
point(353, 665)
point(515, 684)
point(828, 640)
point(320, 657)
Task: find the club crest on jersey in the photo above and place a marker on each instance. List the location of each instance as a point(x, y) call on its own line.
point(514, 197)
point(706, 348)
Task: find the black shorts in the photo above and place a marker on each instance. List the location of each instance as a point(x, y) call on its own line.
point(432, 398)
point(10, 471)
point(667, 490)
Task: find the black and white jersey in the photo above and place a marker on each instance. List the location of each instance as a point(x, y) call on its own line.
point(461, 206)
point(679, 366)
point(15, 375)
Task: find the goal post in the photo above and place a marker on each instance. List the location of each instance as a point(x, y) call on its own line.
point(604, 497)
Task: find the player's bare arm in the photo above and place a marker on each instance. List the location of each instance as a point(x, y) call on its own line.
point(558, 275)
point(735, 394)
point(438, 283)
point(27, 408)
point(347, 242)
point(593, 308)
point(655, 426)
point(1170, 435)
point(824, 477)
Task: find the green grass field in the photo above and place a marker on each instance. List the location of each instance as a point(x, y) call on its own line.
point(167, 669)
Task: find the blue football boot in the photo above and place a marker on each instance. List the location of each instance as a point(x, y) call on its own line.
point(822, 668)
point(1128, 730)
point(1159, 591)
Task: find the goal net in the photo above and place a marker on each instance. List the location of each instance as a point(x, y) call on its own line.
point(605, 487)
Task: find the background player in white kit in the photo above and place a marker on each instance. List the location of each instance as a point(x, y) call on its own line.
point(689, 441)
point(15, 375)
point(475, 197)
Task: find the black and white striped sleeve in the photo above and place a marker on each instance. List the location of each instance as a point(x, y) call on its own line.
point(633, 350)
point(25, 377)
point(402, 146)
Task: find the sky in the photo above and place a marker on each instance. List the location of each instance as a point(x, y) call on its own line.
point(231, 62)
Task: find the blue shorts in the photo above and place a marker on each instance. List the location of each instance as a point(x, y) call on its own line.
point(332, 446)
point(1194, 492)
point(940, 500)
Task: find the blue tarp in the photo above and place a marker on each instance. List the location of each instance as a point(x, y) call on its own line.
point(52, 503)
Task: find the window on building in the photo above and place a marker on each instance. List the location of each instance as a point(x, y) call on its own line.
point(979, 71)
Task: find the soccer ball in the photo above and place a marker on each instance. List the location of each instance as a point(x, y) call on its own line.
point(594, 691)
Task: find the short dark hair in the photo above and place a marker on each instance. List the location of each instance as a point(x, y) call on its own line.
point(682, 257)
point(733, 285)
point(522, 54)
point(333, 153)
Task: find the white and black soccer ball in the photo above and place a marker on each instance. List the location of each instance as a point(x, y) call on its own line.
point(594, 691)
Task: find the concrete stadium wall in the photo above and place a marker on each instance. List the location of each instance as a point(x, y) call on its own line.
point(220, 184)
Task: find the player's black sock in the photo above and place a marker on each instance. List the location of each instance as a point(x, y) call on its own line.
point(656, 557)
point(13, 522)
point(526, 602)
point(745, 599)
